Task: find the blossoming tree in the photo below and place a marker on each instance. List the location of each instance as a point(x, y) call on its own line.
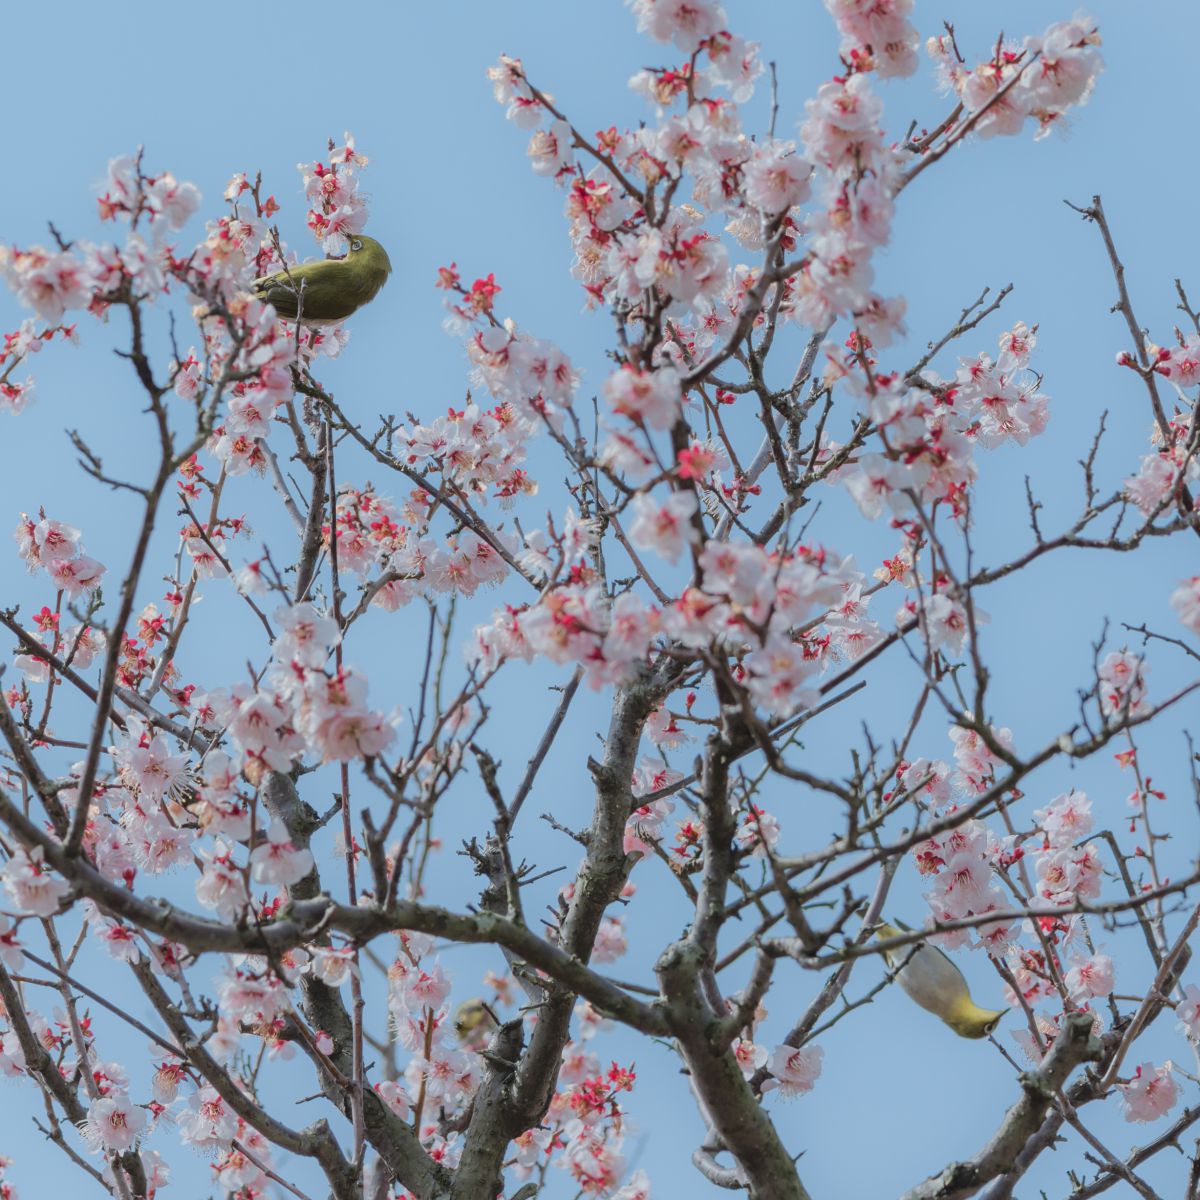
point(254, 854)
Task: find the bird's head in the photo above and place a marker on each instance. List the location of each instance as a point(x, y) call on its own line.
point(975, 1022)
point(369, 252)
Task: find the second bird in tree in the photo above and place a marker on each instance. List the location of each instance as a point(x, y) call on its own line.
point(937, 985)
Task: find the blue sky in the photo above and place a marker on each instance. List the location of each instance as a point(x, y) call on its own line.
point(208, 91)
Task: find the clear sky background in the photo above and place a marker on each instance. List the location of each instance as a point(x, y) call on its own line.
point(215, 88)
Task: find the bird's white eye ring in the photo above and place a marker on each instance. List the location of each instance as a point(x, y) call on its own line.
point(356, 244)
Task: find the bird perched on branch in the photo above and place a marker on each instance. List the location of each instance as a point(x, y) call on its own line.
point(474, 1023)
point(326, 291)
point(937, 985)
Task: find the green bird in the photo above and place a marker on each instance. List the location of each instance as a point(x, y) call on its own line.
point(474, 1022)
point(937, 985)
point(326, 291)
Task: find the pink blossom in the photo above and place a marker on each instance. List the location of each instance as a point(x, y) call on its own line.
point(249, 993)
point(76, 576)
point(113, 1123)
point(83, 645)
point(306, 637)
point(794, 1071)
point(12, 1057)
point(777, 678)
point(663, 730)
point(174, 201)
point(664, 525)
point(395, 1097)
point(645, 826)
point(758, 832)
point(48, 281)
point(167, 1078)
point(334, 966)
point(777, 178)
point(687, 23)
point(652, 398)
point(148, 768)
point(750, 1056)
point(52, 541)
point(1188, 1012)
point(119, 940)
point(550, 150)
point(1090, 978)
point(10, 947)
point(591, 1021)
point(450, 1076)
point(276, 861)
point(881, 27)
point(974, 758)
point(221, 885)
point(207, 1122)
point(1067, 819)
point(1153, 483)
point(1185, 600)
point(928, 780)
point(636, 1188)
point(610, 942)
point(1150, 1094)
point(1121, 679)
point(31, 885)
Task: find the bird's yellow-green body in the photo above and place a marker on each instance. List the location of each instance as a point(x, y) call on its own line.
point(326, 291)
point(474, 1022)
point(931, 980)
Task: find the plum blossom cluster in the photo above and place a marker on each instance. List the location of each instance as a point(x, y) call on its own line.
point(876, 35)
point(31, 886)
point(1185, 600)
point(583, 1131)
point(1173, 465)
point(929, 432)
point(391, 550)
point(57, 548)
point(93, 276)
point(960, 864)
point(1039, 80)
point(859, 175)
point(749, 602)
point(261, 355)
point(620, 250)
point(17, 346)
point(1121, 683)
point(531, 379)
point(89, 275)
point(322, 703)
point(337, 208)
point(476, 452)
point(1068, 868)
point(77, 646)
point(644, 828)
point(442, 1074)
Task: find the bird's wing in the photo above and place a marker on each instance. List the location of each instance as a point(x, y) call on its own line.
point(932, 980)
point(324, 299)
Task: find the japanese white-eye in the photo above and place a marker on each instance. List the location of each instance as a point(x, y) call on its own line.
point(474, 1022)
point(326, 291)
point(937, 985)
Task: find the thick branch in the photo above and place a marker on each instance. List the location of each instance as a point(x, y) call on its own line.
point(1073, 1046)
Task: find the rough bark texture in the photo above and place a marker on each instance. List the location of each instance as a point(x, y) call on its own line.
point(1074, 1045)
